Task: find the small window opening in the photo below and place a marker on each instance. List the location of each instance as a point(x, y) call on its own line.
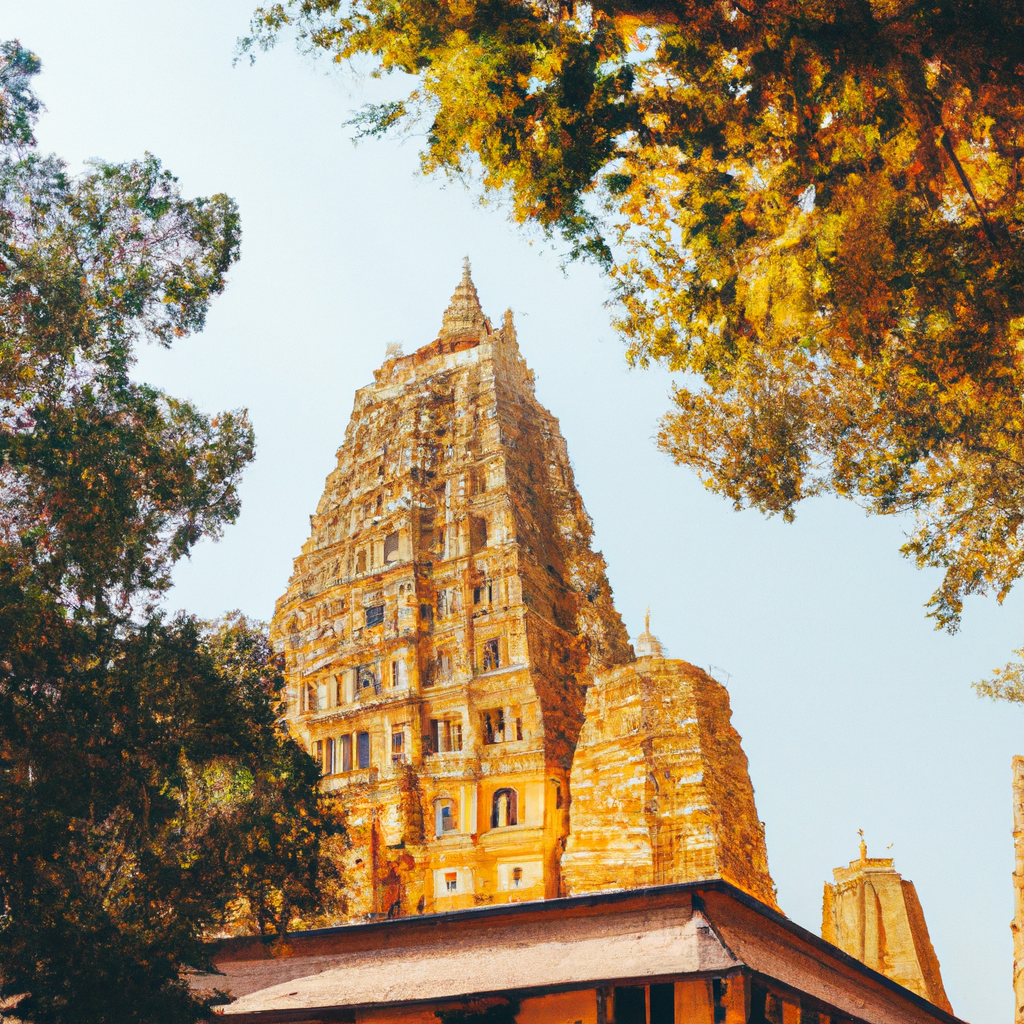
point(329, 766)
point(396, 673)
point(505, 808)
point(391, 548)
point(492, 657)
point(445, 736)
point(451, 881)
point(374, 615)
point(361, 560)
point(398, 747)
point(363, 749)
point(368, 680)
point(444, 816)
point(517, 877)
point(477, 533)
point(346, 753)
point(494, 726)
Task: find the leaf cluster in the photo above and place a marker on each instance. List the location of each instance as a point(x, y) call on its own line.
point(147, 793)
point(810, 209)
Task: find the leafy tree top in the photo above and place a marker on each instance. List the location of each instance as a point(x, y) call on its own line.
point(810, 210)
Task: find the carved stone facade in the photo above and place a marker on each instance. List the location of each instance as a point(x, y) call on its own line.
point(441, 630)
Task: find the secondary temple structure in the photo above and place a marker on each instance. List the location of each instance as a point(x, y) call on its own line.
point(457, 667)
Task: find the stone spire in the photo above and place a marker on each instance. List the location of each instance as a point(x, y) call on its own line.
point(875, 915)
point(463, 315)
point(647, 644)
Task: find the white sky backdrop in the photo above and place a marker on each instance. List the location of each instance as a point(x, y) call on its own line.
point(854, 712)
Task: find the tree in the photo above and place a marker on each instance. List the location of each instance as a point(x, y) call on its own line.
point(811, 211)
point(139, 755)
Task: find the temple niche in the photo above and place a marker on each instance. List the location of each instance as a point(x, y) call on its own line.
point(456, 665)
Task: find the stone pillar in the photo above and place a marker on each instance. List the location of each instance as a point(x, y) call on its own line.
point(1017, 928)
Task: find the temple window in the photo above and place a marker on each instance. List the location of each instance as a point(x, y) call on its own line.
point(639, 1004)
point(483, 594)
point(445, 736)
point(445, 820)
point(368, 679)
point(477, 533)
point(494, 726)
point(491, 655)
point(391, 548)
point(505, 808)
point(363, 749)
point(398, 747)
point(374, 615)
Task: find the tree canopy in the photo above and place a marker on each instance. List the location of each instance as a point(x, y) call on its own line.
point(810, 210)
point(147, 795)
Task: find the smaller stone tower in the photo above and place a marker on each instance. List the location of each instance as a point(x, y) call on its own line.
point(874, 915)
point(659, 784)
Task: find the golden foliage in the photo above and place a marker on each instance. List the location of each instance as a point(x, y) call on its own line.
point(810, 210)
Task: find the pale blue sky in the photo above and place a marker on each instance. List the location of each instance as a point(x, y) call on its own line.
point(854, 712)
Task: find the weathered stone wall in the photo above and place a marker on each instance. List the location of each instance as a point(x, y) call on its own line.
point(660, 789)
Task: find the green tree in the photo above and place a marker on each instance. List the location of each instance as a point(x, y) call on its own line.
point(140, 757)
point(810, 210)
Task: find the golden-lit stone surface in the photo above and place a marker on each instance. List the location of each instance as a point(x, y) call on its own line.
point(659, 783)
point(441, 630)
point(1017, 927)
point(874, 915)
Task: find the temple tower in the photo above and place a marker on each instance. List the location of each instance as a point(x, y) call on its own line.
point(660, 789)
point(442, 623)
point(875, 915)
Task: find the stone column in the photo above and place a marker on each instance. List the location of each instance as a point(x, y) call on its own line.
point(1017, 928)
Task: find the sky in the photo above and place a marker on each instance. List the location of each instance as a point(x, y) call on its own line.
point(855, 713)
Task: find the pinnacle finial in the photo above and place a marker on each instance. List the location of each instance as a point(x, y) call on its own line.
point(648, 645)
point(463, 315)
point(863, 845)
